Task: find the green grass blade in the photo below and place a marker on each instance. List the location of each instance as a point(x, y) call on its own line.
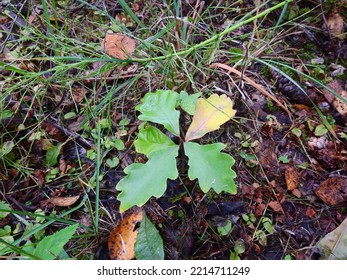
point(321, 115)
point(304, 75)
point(128, 10)
point(29, 234)
point(46, 15)
point(19, 250)
point(216, 37)
point(284, 10)
point(97, 178)
point(116, 22)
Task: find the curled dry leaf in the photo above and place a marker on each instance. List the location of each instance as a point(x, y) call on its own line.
point(64, 201)
point(118, 45)
point(122, 239)
point(333, 191)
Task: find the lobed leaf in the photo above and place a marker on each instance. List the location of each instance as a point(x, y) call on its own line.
point(188, 101)
point(211, 167)
point(149, 179)
point(151, 139)
point(159, 107)
point(209, 115)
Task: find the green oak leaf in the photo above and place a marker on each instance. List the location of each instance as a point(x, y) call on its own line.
point(159, 107)
point(149, 179)
point(211, 167)
point(188, 101)
point(151, 139)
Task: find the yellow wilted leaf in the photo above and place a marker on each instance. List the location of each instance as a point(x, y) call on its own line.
point(210, 114)
point(122, 239)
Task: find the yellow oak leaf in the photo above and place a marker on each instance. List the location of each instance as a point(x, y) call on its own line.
point(210, 114)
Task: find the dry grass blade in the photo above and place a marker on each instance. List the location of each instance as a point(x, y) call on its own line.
point(250, 81)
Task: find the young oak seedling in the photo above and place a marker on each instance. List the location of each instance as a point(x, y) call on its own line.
point(206, 163)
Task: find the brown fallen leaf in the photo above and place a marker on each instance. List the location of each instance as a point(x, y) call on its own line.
point(333, 191)
point(336, 86)
point(276, 206)
point(118, 45)
point(297, 193)
point(259, 209)
point(339, 104)
point(77, 125)
point(78, 94)
point(40, 176)
point(292, 178)
point(310, 212)
point(336, 25)
point(122, 239)
point(64, 201)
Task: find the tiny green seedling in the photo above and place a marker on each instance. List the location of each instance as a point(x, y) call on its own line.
point(267, 228)
point(206, 163)
point(239, 249)
point(284, 159)
point(225, 229)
